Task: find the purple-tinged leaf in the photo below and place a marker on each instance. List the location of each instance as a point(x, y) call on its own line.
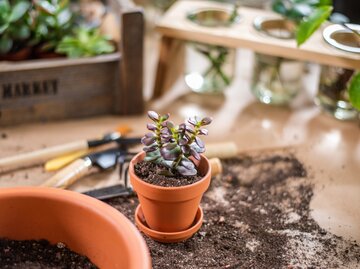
point(186, 172)
point(147, 141)
point(187, 163)
point(199, 142)
point(170, 124)
point(151, 127)
point(193, 121)
point(195, 154)
point(149, 135)
point(170, 155)
point(185, 149)
point(165, 117)
point(150, 148)
point(190, 129)
point(206, 121)
point(170, 146)
point(198, 149)
point(203, 132)
point(183, 141)
point(165, 131)
point(182, 127)
point(153, 115)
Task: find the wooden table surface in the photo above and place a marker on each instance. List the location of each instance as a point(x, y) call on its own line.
point(330, 149)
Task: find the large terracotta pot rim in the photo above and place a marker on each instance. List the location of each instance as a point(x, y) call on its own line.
point(105, 211)
point(201, 181)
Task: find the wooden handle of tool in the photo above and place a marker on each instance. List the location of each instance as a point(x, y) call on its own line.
point(221, 150)
point(41, 155)
point(216, 166)
point(69, 174)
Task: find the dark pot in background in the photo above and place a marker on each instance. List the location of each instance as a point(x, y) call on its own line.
point(22, 54)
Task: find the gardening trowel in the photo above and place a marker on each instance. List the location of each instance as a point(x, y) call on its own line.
point(104, 160)
point(38, 156)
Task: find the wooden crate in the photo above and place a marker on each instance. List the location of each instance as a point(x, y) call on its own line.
point(53, 89)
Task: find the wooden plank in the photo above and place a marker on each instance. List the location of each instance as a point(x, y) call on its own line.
point(130, 99)
point(170, 65)
point(243, 35)
point(61, 62)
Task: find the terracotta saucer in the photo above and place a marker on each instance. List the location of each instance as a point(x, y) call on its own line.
point(168, 237)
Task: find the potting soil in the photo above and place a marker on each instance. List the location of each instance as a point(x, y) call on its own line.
point(40, 254)
point(256, 215)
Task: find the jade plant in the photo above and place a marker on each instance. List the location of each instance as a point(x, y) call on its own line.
point(14, 25)
point(53, 20)
point(308, 15)
point(85, 42)
point(174, 146)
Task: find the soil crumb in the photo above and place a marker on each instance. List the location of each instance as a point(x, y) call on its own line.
point(40, 254)
point(153, 173)
point(256, 215)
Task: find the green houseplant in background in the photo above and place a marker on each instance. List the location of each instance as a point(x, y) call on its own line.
point(338, 91)
point(277, 80)
point(14, 29)
point(216, 64)
point(85, 42)
point(53, 20)
point(46, 29)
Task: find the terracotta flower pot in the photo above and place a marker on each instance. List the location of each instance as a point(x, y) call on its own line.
point(20, 55)
point(86, 225)
point(170, 209)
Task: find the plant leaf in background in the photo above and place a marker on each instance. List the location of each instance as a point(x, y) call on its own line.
point(310, 24)
point(19, 10)
point(84, 43)
point(354, 91)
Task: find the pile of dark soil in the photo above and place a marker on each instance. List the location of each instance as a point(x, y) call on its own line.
point(31, 254)
point(153, 173)
point(256, 216)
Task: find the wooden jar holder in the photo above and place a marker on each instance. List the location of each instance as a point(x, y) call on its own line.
point(176, 28)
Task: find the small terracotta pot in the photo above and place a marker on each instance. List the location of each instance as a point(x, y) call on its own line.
point(170, 209)
point(86, 225)
point(20, 55)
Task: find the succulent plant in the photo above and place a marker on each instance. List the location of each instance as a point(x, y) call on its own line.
point(84, 43)
point(14, 25)
point(174, 146)
point(53, 19)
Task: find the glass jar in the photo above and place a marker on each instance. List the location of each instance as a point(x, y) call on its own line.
point(209, 68)
point(333, 94)
point(276, 80)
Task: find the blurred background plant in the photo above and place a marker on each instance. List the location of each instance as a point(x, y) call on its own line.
point(85, 42)
point(14, 25)
point(308, 15)
point(43, 27)
point(53, 20)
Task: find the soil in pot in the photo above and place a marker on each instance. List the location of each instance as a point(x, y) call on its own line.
point(256, 215)
point(152, 173)
point(40, 254)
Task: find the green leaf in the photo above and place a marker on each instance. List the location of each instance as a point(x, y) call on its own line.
point(309, 25)
point(4, 8)
point(3, 28)
point(354, 91)
point(64, 17)
point(22, 32)
point(46, 7)
point(19, 10)
point(5, 44)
